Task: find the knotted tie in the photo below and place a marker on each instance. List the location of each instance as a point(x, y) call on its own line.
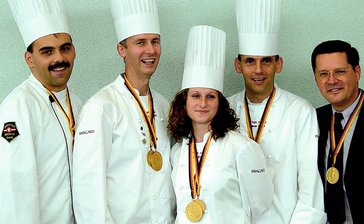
point(334, 197)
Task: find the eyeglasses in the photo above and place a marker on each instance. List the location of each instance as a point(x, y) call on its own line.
point(338, 73)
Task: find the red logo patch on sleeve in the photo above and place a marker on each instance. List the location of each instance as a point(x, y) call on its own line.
point(9, 131)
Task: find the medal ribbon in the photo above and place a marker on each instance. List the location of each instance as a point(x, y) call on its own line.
point(335, 149)
point(69, 116)
point(263, 119)
point(195, 167)
point(149, 119)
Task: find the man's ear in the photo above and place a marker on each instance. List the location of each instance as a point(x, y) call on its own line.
point(237, 66)
point(357, 71)
point(121, 50)
point(29, 59)
point(279, 65)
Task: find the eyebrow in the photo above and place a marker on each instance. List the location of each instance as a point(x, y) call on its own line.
point(196, 91)
point(335, 69)
point(245, 59)
point(66, 44)
point(144, 39)
point(46, 48)
point(259, 59)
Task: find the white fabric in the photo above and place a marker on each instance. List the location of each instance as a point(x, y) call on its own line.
point(258, 23)
point(112, 181)
point(38, 18)
point(235, 186)
point(34, 172)
point(62, 99)
point(205, 58)
point(133, 17)
point(289, 142)
point(199, 150)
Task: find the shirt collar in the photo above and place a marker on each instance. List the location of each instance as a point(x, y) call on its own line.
point(347, 112)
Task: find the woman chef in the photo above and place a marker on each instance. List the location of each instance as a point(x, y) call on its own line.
point(218, 175)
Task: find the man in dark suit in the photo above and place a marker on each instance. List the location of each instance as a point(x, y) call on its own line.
point(341, 143)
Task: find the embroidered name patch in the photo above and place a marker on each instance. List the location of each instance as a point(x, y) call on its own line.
point(9, 131)
point(258, 171)
point(86, 132)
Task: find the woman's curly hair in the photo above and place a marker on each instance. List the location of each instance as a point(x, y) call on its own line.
point(180, 124)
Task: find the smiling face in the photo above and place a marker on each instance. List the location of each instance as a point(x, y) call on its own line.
point(201, 106)
point(340, 92)
point(258, 73)
point(141, 54)
point(51, 61)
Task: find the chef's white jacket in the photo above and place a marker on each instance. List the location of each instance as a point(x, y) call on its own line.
point(235, 185)
point(289, 142)
point(112, 181)
point(35, 166)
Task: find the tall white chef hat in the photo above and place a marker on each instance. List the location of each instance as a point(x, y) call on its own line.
point(258, 23)
point(39, 18)
point(205, 58)
point(133, 17)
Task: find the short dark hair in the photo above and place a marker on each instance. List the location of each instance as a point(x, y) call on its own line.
point(180, 124)
point(123, 43)
point(30, 48)
point(334, 46)
point(276, 57)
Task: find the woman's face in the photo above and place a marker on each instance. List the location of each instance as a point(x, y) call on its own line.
point(202, 105)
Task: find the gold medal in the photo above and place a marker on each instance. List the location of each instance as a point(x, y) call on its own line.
point(155, 160)
point(195, 210)
point(332, 175)
point(149, 157)
point(202, 204)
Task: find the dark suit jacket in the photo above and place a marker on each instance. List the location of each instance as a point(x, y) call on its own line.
point(354, 173)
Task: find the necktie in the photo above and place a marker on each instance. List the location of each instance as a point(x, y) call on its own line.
point(334, 197)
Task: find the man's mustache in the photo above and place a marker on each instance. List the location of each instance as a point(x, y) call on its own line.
point(59, 65)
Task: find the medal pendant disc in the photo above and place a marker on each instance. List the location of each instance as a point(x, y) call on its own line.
point(332, 175)
point(202, 204)
point(149, 157)
point(155, 160)
point(194, 211)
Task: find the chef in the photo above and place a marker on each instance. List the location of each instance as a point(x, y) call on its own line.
point(219, 175)
point(283, 124)
point(121, 160)
point(37, 120)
